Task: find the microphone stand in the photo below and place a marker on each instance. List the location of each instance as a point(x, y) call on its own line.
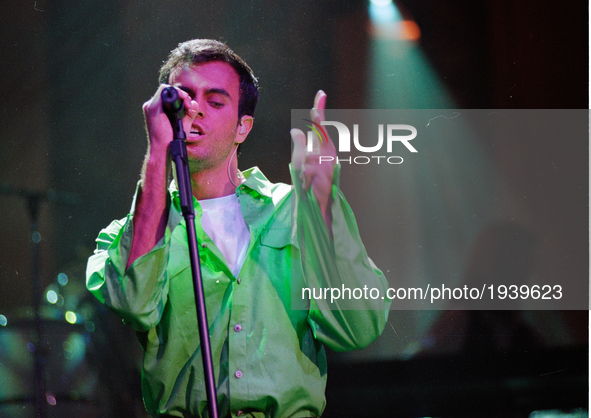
point(173, 107)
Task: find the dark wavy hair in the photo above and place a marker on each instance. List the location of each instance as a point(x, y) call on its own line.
point(198, 51)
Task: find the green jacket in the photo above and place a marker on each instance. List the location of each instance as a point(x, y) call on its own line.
point(267, 342)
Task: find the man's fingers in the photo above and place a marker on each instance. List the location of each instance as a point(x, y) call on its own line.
point(325, 147)
point(298, 138)
point(320, 100)
point(317, 112)
point(192, 108)
point(311, 172)
point(319, 106)
point(299, 148)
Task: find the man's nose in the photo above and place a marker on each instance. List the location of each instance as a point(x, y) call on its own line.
point(200, 109)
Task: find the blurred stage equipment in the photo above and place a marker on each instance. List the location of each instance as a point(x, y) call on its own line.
point(37, 347)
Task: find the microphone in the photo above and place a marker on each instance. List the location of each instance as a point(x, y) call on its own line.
point(174, 108)
point(172, 105)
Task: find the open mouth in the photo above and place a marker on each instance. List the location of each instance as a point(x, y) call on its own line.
point(195, 134)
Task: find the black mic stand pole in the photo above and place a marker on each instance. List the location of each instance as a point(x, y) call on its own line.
point(173, 107)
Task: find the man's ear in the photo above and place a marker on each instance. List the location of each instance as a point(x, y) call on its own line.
point(244, 127)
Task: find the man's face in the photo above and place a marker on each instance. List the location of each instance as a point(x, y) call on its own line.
point(212, 134)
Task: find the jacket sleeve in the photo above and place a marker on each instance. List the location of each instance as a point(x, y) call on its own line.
point(137, 294)
point(354, 310)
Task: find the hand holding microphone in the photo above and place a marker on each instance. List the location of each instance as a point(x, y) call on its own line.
point(174, 108)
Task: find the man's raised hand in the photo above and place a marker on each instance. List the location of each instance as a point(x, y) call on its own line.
point(311, 170)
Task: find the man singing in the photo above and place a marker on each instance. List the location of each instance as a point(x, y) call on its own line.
point(257, 239)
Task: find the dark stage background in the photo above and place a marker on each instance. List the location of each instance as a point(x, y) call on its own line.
point(74, 76)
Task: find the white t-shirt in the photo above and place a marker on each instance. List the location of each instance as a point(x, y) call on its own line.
point(222, 220)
